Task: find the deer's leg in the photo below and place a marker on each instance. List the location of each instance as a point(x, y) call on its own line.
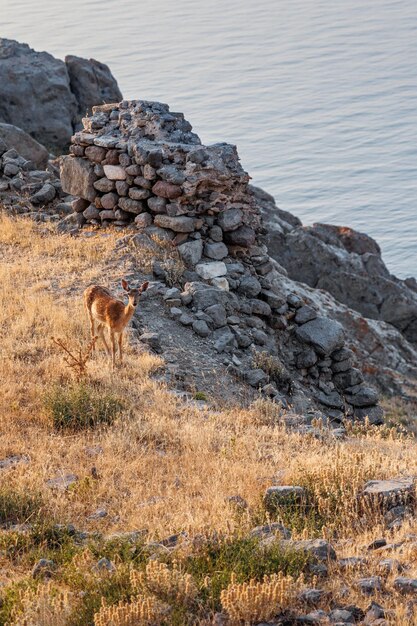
point(92, 326)
point(100, 331)
point(113, 348)
point(121, 347)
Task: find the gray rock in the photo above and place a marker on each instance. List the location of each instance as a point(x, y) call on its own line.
point(166, 190)
point(92, 83)
point(191, 252)
point(78, 177)
point(153, 340)
point(364, 397)
point(324, 334)
point(217, 314)
point(369, 585)
point(91, 212)
point(250, 286)
point(216, 233)
point(256, 377)
point(307, 358)
point(180, 224)
point(62, 482)
point(44, 568)
point(103, 565)
point(305, 314)
point(318, 549)
point(350, 378)
point(341, 616)
point(260, 307)
point(374, 414)
point(390, 493)
point(114, 172)
point(217, 251)
point(312, 596)
point(104, 184)
point(406, 585)
point(230, 220)
point(25, 145)
point(283, 496)
point(243, 236)
point(201, 328)
point(186, 320)
point(25, 77)
point(211, 270)
point(271, 530)
point(143, 220)
point(223, 339)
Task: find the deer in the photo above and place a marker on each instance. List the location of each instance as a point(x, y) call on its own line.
point(108, 311)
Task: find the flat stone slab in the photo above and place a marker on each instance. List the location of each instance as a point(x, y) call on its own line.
point(319, 549)
point(77, 177)
point(393, 490)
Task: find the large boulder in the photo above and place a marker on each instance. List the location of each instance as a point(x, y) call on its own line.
point(35, 94)
point(92, 83)
point(25, 145)
point(45, 96)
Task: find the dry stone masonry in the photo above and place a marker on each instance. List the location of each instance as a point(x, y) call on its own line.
point(138, 165)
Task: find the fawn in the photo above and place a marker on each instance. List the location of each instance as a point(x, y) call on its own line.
point(109, 311)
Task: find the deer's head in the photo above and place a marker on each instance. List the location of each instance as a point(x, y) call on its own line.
point(134, 292)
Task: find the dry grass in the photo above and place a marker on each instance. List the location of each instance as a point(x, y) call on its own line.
point(161, 465)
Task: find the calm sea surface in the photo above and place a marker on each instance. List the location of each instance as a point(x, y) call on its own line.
point(320, 96)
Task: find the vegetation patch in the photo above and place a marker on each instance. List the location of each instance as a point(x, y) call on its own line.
point(79, 406)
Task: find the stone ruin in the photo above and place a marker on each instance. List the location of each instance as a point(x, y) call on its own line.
point(136, 164)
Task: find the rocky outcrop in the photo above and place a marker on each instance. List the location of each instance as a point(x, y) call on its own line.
point(45, 96)
point(136, 164)
point(26, 146)
point(345, 263)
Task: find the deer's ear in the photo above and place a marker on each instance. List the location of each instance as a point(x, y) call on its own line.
point(144, 286)
point(125, 284)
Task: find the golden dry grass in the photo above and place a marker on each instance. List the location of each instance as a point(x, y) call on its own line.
point(164, 465)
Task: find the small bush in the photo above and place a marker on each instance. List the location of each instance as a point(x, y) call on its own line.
point(17, 507)
point(78, 406)
point(200, 395)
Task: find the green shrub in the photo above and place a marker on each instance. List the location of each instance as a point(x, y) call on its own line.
point(18, 507)
point(78, 406)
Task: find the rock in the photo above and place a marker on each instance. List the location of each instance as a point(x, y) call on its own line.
point(25, 77)
point(319, 549)
point(369, 585)
point(307, 358)
point(62, 482)
point(77, 177)
point(103, 565)
point(13, 460)
point(341, 616)
point(217, 314)
point(92, 83)
point(230, 220)
point(157, 205)
point(99, 514)
point(191, 252)
point(180, 224)
point(211, 270)
point(271, 530)
point(313, 597)
point(185, 319)
point(25, 145)
point(216, 251)
point(200, 327)
point(104, 184)
point(351, 378)
point(44, 568)
point(153, 340)
point(250, 286)
point(351, 562)
point(255, 378)
point(223, 339)
point(243, 236)
point(324, 334)
point(138, 194)
point(283, 496)
point(305, 314)
point(374, 414)
point(406, 585)
point(109, 200)
point(95, 153)
point(131, 206)
point(390, 493)
point(91, 213)
point(79, 205)
point(166, 190)
point(221, 283)
point(364, 397)
point(114, 172)
point(143, 220)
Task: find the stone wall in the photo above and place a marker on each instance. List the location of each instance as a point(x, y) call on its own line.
point(138, 165)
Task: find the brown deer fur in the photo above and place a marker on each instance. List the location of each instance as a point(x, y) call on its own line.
point(108, 311)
